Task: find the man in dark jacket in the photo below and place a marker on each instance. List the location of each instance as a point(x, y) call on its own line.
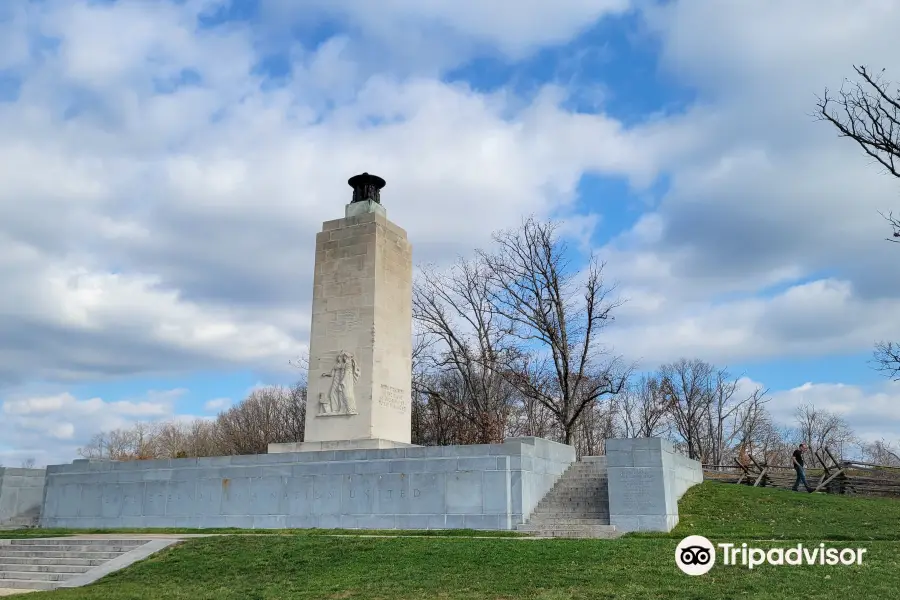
point(797, 460)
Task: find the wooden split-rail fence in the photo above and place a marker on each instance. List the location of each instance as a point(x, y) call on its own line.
point(828, 475)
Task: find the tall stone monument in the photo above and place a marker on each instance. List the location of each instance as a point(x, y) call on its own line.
point(360, 350)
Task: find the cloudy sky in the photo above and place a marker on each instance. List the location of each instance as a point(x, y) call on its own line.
point(165, 165)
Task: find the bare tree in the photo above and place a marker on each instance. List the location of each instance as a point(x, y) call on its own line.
point(699, 407)
point(294, 413)
point(686, 385)
point(268, 415)
point(170, 440)
point(868, 112)
point(641, 409)
point(775, 443)
point(96, 446)
point(295, 403)
point(180, 439)
point(597, 424)
point(887, 359)
point(139, 441)
point(561, 362)
point(434, 421)
point(821, 428)
point(301, 363)
point(469, 344)
point(260, 419)
point(28, 463)
point(881, 452)
point(726, 417)
point(120, 444)
point(436, 424)
point(203, 439)
point(530, 417)
point(755, 433)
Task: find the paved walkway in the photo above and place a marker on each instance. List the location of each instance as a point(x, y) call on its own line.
point(128, 536)
point(179, 536)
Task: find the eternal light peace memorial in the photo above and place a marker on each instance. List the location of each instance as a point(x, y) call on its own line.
point(356, 467)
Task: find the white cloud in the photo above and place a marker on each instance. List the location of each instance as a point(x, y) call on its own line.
point(179, 217)
point(51, 428)
point(808, 319)
point(763, 198)
point(445, 33)
point(879, 420)
point(217, 404)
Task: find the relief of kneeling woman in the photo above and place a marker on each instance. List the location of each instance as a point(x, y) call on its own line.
point(341, 398)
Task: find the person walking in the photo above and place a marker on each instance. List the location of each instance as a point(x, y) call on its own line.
point(799, 468)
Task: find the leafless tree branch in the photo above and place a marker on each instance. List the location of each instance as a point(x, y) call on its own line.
point(868, 112)
point(887, 359)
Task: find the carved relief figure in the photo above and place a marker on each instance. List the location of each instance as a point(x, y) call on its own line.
point(341, 398)
point(324, 404)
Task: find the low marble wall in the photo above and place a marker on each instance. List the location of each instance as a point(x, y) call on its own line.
point(21, 494)
point(480, 487)
point(647, 477)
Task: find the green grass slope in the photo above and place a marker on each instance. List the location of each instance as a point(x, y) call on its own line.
point(720, 510)
point(460, 567)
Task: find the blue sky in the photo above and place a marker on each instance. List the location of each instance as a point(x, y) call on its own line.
point(165, 166)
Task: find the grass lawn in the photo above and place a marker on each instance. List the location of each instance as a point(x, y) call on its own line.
point(450, 567)
point(722, 510)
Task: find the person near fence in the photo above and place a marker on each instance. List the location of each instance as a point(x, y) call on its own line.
point(799, 468)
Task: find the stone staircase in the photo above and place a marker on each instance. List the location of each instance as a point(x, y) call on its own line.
point(44, 564)
point(577, 506)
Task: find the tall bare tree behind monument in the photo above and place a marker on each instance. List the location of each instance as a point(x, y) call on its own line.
point(470, 344)
point(558, 314)
point(868, 112)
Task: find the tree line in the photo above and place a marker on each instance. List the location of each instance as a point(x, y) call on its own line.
point(688, 401)
point(511, 343)
point(269, 414)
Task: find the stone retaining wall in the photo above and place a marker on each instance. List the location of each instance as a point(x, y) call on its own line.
point(647, 477)
point(21, 494)
point(486, 487)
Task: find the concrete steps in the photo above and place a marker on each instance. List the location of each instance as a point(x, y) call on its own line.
point(574, 531)
point(38, 561)
point(43, 564)
point(571, 506)
point(577, 506)
point(44, 568)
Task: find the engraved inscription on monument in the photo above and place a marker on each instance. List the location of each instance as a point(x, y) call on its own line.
point(392, 397)
point(637, 488)
point(345, 321)
point(341, 397)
